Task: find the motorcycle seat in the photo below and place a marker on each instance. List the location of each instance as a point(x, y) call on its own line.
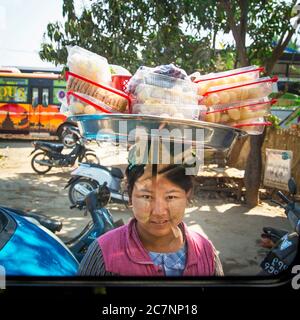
point(274, 233)
point(49, 223)
point(116, 172)
point(56, 147)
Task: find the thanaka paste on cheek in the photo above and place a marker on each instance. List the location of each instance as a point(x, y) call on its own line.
point(141, 206)
point(174, 220)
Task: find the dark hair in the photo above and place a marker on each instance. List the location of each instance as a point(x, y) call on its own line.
point(174, 173)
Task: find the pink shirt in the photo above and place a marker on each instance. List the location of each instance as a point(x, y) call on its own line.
point(124, 254)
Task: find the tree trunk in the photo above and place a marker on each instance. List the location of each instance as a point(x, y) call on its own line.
point(253, 170)
point(238, 29)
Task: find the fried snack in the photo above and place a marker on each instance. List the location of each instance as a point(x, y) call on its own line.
point(111, 99)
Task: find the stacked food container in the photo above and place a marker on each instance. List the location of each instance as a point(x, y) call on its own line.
point(165, 91)
point(237, 98)
point(89, 85)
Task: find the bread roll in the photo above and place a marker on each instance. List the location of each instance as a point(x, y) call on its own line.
point(234, 114)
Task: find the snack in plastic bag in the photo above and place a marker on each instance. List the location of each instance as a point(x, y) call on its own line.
point(252, 126)
point(79, 103)
point(225, 78)
point(114, 100)
point(149, 94)
point(179, 111)
point(88, 64)
point(248, 109)
point(253, 89)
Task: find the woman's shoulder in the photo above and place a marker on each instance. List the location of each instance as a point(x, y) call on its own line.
point(116, 235)
point(116, 232)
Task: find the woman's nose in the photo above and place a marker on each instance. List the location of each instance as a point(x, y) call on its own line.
point(159, 206)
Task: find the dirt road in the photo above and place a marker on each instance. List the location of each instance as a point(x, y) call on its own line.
point(233, 228)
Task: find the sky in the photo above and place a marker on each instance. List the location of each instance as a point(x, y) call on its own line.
point(22, 25)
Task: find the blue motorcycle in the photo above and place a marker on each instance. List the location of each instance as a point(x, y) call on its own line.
point(29, 248)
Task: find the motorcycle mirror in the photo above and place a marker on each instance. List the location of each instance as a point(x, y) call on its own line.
point(103, 195)
point(292, 186)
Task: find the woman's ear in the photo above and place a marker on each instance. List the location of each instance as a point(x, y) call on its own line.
point(189, 195)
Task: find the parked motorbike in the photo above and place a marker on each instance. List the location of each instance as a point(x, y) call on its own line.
point(48, 155)
point(28, 248)
point(283, 244)
point(90, 176)
point(102, 220)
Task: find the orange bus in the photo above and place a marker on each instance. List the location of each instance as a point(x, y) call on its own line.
point(29, 103)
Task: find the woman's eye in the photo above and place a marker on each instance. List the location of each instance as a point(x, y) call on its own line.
point(171, 197)
point(146, 196)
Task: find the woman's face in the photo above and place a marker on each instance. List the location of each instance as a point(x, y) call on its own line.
point(158, 204)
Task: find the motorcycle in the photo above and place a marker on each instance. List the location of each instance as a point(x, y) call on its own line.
point(29, 249)
point(283, 244)
point(90, 176)
point(48, 155)
point(102, 220)
point(41, 252)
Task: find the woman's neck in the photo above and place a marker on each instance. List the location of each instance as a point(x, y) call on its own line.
point(169, 243)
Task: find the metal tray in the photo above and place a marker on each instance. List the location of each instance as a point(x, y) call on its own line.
point(130, 127)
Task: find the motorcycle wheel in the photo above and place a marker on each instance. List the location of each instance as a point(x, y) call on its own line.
point(90, 158)
point(37, 167)
point(74, 195)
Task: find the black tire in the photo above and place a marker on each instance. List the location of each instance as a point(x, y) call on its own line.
point(36, 166)
point(74, 195)
point(90, 157)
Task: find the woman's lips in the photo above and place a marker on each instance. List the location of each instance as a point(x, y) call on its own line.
point(160, 223)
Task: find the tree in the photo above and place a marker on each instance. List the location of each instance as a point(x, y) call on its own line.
point(131, 34)
point(137, 32)
point(263, 21)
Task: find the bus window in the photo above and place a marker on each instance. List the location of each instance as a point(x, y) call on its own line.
point(35, 97)
point(45, 95)
point(58, 87)
point(13, 90)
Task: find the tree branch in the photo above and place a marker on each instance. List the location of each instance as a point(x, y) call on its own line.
point(278, 50)
point(239, 37)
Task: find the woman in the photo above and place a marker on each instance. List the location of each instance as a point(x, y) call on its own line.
point(155, 242)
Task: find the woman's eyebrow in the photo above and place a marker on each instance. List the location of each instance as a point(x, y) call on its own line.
point(173, 190)
point(144, 190)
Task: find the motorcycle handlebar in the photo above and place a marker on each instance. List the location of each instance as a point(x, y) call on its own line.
point(78, 204)
point(283, 197)
point(278, 203)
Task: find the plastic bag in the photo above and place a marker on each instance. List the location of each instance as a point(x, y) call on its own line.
point(225, 78)
point(230, 93)
point(165, 76)
point(88, 64)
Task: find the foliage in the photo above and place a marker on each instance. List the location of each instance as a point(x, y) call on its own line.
point(153, 32)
